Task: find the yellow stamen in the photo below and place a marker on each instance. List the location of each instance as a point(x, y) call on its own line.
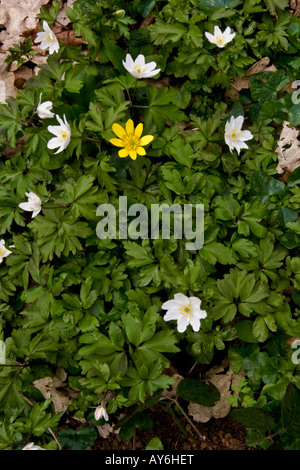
point(2, 252)
point(131, 142)
point(49, 39)
point(235, 135)
point(220, 39)
point(130, 139)
point(186, 310)
point(139, 69)
point(62, 136)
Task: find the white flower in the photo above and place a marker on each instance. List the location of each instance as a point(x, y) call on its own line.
point(34, 204)
point(138, 68)
point(218, 38)
point(100, 412)
point(3, 251)
point(32, 446)
point(62, 133)
point(186, 310)
point(234, 136)
point(47, 39)
point(2, 352)
point(43, 109)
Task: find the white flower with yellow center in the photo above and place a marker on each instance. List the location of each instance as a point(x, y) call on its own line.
point(43, 109)
point(47, 39)
point(62, 133)
point(4, 252)
point(138, 68)
point(186, 310)
point(34, 204)
point(234, 136)
point(218, 38)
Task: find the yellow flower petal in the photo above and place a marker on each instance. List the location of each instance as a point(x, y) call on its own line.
point(123, 153)
point(141, 151)
point(118, 130)
point(129, 127)
point(139, 130)
point(132, 154)
point(146, 139)
point(117, 142)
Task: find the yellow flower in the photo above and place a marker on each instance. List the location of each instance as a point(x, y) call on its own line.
point(130, 139)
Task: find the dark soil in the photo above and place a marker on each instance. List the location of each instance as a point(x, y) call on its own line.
point(220, 434)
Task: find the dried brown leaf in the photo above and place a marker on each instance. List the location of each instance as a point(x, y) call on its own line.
point(288, 150)
point(56, 388)
point(295, 5)
point(222, 377)
point(62, 17)
point(18, 18)
point(69, 38)
point(147, 21)
point(244, 82)
point(258, 67)
point(22, 75)
point(7, 86)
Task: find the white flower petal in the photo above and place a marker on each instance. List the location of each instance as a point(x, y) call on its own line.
point(238, 122)
point(217, 31)
point(169, 304)
point(195, 323)
point(54, 129)
point(182, 324)
point(246, 135)
point(53, 143)
point(210, 37)
point(25, 206)
point(195, 302)
point(181, 299)
point(198, 313)
point(150, 74)
point(140, 60)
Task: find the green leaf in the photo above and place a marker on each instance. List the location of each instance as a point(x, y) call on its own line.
point(197, 391)
point(139, 420)
point(253, 418)
point(244, 330)
point(182, 152)
point(294, 178)
point(264, 186)
point(132, 329)
point(77, 440)
point(163, 33)
point(290, 412)
point(155, 444)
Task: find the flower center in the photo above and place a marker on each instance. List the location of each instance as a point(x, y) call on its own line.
point(1, 252)
point(62, 136)
point(220, 39)
point(131, 142)
point(139, 69)
point(49, 39)
point(235, 135)
point(186, 310)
